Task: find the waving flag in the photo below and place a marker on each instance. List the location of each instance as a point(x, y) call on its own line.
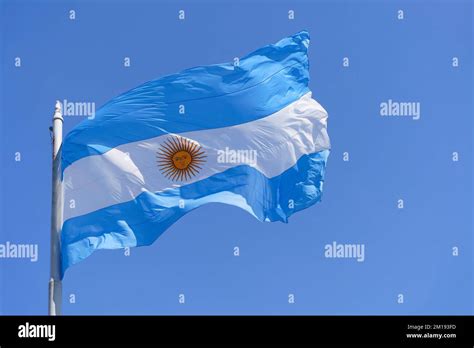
point(248, 135)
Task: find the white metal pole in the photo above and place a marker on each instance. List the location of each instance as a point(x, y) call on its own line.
point(55, 286)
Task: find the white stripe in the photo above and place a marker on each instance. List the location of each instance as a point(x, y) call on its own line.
point(121, 174)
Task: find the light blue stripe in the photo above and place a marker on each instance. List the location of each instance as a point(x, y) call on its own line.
point(214, 96)
point(143, 220)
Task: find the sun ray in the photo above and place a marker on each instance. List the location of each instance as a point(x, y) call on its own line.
point(180, 159)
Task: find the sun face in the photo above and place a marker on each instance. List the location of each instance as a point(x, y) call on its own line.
point(179, 159)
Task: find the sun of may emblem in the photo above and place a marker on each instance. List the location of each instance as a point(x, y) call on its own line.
point(179, 159)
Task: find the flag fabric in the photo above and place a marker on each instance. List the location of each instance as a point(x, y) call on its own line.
point(247, 134)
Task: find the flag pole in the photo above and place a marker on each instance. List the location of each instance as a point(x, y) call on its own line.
point(55, 285)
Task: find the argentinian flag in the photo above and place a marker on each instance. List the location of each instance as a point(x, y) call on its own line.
point(248, 134)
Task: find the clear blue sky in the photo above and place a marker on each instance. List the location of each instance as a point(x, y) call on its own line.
point(407, 251)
